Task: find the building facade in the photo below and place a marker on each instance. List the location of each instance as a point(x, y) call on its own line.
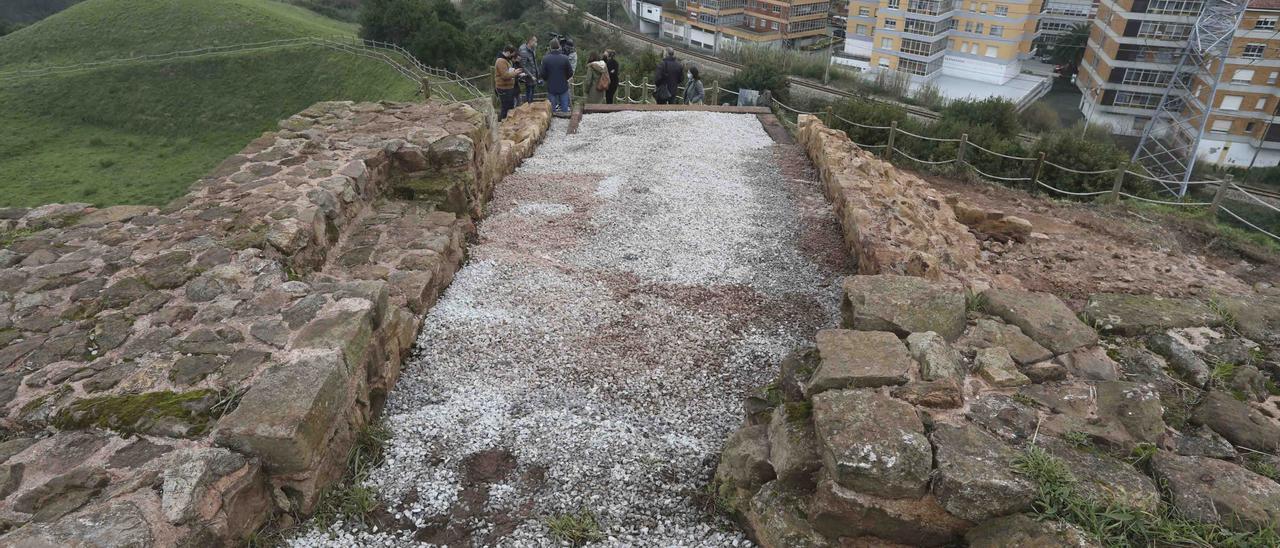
point(978, 40)
point(1058, 17)
point(1133, 51)
point(720, 24)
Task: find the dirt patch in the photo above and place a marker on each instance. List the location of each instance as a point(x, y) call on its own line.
point(1079, 249)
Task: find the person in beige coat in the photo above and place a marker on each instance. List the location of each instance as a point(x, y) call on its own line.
point(597, 71)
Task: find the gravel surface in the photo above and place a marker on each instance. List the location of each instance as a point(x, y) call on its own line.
point(631, 284)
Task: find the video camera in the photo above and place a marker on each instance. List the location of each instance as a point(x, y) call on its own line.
point(566, 43)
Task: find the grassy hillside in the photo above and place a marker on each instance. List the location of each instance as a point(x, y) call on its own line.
point(30, 11)
point(143, 133)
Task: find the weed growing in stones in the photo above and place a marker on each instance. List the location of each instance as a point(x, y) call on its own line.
point(1025, 400)
point(351, 501)
point(1078, 439)
point(1116, 525)
point(975, 301)
point(9, 237)
point(1229, 321)
point(577, 529)
point(1141, 456)
point(1260, 466)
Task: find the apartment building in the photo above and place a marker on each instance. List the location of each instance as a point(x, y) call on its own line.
point(1133, 50)
point(976, 40)
point(719, 24)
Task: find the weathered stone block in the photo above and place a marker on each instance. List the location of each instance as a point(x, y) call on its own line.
point(975, 480)
point(1238, 422)
point(838, 512)
point(1023, 530)
point(987, 333)
point(859, 359)
point(778, 518)
point(793, 446)
point(903, 305)
point(1041, 316)
point(937, 359)
point(996, 367)
point(1217, 491)
point(285, 417)
point(872, 443)
point(1090, 362)
point(744, 466)
point(1132, 315)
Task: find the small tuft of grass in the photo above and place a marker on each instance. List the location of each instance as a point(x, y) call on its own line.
point(8, 237)
point(1223, 373)
point(577, 529)
point(1258, 465)
point(1219, 309)
point(1025, 400)
point(975, 301)
point(350, 500)
point(1141, 455)
point(1078, 439)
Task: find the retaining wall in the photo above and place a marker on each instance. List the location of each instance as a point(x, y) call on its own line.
point(174, 376)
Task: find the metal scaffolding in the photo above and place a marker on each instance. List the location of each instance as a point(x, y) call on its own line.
point(1170, 141)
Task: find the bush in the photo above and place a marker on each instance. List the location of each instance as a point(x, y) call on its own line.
point(761, 78)
point(999, 114)
point(1040, 118)
point(1067, 148)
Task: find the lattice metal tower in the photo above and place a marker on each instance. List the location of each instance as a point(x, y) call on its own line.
point(1169, 143)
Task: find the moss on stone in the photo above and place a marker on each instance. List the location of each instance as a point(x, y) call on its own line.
point(130, 413)
point(798, 411)
point(446, 190)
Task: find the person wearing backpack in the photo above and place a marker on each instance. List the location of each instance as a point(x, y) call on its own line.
point(598, 80)
point(667, 79)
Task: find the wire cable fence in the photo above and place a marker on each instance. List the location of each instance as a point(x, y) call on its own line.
point(960, 157)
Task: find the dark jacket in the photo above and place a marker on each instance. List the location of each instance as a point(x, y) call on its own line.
point(614, 77)
point(529, 61)
point(556, 71)
point(670, 75)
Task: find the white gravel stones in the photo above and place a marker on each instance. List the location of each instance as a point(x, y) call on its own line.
point(609, 360)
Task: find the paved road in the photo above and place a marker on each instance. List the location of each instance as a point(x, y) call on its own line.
point(631, 284)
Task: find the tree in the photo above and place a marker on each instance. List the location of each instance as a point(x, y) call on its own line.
point(761, 77)
point(1069, 48)
point(433, 31)
point(994, 112)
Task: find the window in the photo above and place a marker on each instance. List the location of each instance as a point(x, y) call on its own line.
point(893, 4)
point(884, 62)
point(1261, 104)
point(1248, 128)
point(992, 51)
point(1254, 51)
point(951, 44)
point(1163, 31)
point(1175, 7)
point(773, 25)
point(982, 8)
point(1231, 102)
point(920, 47)
point(997, 30)
point(1140, 122)
point(1145, 77)
point(964, 47)
point(1271, 78)
point(968, 26)
point(886, 43)
point(1136, 100)
point(1242, 76)
point(1002, 10)
point(1220, 126)
point(1265, 23)
point(977, 28)
point(890, 23)
point(923, 28)
point(862, 30)
point(864, 12)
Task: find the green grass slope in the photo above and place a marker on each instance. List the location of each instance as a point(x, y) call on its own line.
point(142, 133)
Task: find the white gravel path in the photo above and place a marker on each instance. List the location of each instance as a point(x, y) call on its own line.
point(631, 284)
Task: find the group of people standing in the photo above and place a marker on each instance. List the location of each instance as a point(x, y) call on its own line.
point(518, 68)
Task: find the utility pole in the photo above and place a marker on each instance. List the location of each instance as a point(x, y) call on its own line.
point(831, 52)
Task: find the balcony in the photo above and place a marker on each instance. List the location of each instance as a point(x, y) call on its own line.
point(930, 7)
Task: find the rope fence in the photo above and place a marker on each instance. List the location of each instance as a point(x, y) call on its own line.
point(1029, 171)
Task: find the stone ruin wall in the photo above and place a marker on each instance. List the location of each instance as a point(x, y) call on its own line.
point(902, 427)
point(174, 376)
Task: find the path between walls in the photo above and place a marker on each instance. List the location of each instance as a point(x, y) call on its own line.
point(630, 285)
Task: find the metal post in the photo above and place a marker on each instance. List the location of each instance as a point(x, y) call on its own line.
point(1035, 175)
point(963, 149)
point(1119, 182)
point(893, 136)
point(1217, 196)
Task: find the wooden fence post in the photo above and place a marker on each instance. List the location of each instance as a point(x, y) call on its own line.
point(715, 92)
point(1035, 175)
point(426, 89)
point(893, 136)
point(962, 150)
point(644, 90)
point(1217, 196)
point(1119, 182)
point(828, 116)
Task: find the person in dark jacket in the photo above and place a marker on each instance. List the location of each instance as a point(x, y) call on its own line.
point(611, 62)
point(528, 54)
point(668, 78)
point(556, 72)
